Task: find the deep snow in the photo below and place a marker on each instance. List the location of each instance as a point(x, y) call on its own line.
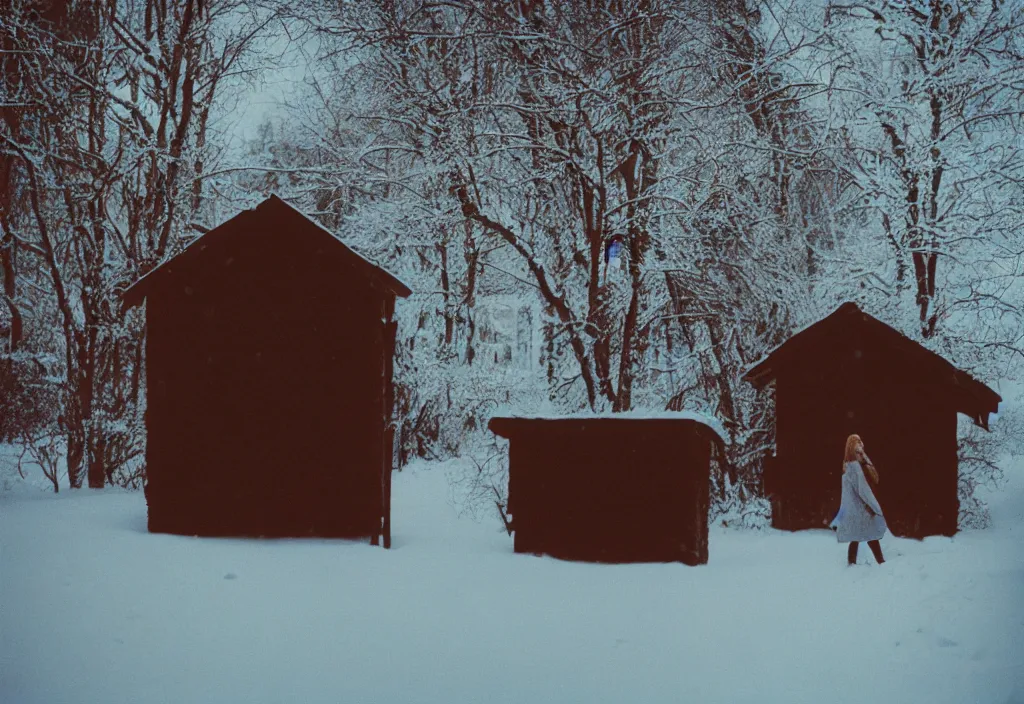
point(93, 609)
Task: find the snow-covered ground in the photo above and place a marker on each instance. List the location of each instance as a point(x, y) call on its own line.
point(93, 609)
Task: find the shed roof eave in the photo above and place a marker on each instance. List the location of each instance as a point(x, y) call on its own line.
point(760, 375)
point(132, 297)
point(979, 415)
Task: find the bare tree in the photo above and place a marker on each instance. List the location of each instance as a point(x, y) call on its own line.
point(933, 92)
point(543, 130)
point(105, 130)
point(47, 450)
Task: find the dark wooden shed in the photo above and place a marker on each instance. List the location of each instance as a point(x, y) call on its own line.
point(269, 348)
point(851, 373)
point(617, 488)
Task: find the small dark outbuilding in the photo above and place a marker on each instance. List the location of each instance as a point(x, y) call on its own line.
point(269, 348)
point(615, 488)
point(852, 374)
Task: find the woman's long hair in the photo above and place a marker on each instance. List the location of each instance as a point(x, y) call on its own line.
point(851, 455)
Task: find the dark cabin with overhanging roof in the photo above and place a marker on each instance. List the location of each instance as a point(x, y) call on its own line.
point(851, 373)
point(269, 348)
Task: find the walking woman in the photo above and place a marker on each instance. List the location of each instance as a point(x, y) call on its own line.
point(860, 517)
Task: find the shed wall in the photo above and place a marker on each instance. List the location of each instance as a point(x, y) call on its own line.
point(610, 491)
point(909, 432)
point(265, 394)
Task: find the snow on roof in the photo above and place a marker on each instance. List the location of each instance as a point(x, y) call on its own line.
point(639, 414)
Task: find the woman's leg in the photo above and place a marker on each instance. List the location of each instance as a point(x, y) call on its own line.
point(876, 548)
point(851, 553)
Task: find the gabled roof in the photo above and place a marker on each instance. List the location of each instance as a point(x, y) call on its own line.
point(272, 207)
point(971, 397)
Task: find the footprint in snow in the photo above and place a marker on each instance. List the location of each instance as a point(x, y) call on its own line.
point(231, 575)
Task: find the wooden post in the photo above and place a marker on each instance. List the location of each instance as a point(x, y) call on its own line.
point(390, 333)
point(386, 527)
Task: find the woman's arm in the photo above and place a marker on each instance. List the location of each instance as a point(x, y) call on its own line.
point(866, 495)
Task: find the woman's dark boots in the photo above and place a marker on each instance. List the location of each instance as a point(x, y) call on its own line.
point(876, 549)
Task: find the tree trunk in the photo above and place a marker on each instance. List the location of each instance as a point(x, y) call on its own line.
point(624, 398)
point(449, 323)
point(7, 254)
point(97, 460)
point(726, 404)
point(76, 452)
point(471, 253)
